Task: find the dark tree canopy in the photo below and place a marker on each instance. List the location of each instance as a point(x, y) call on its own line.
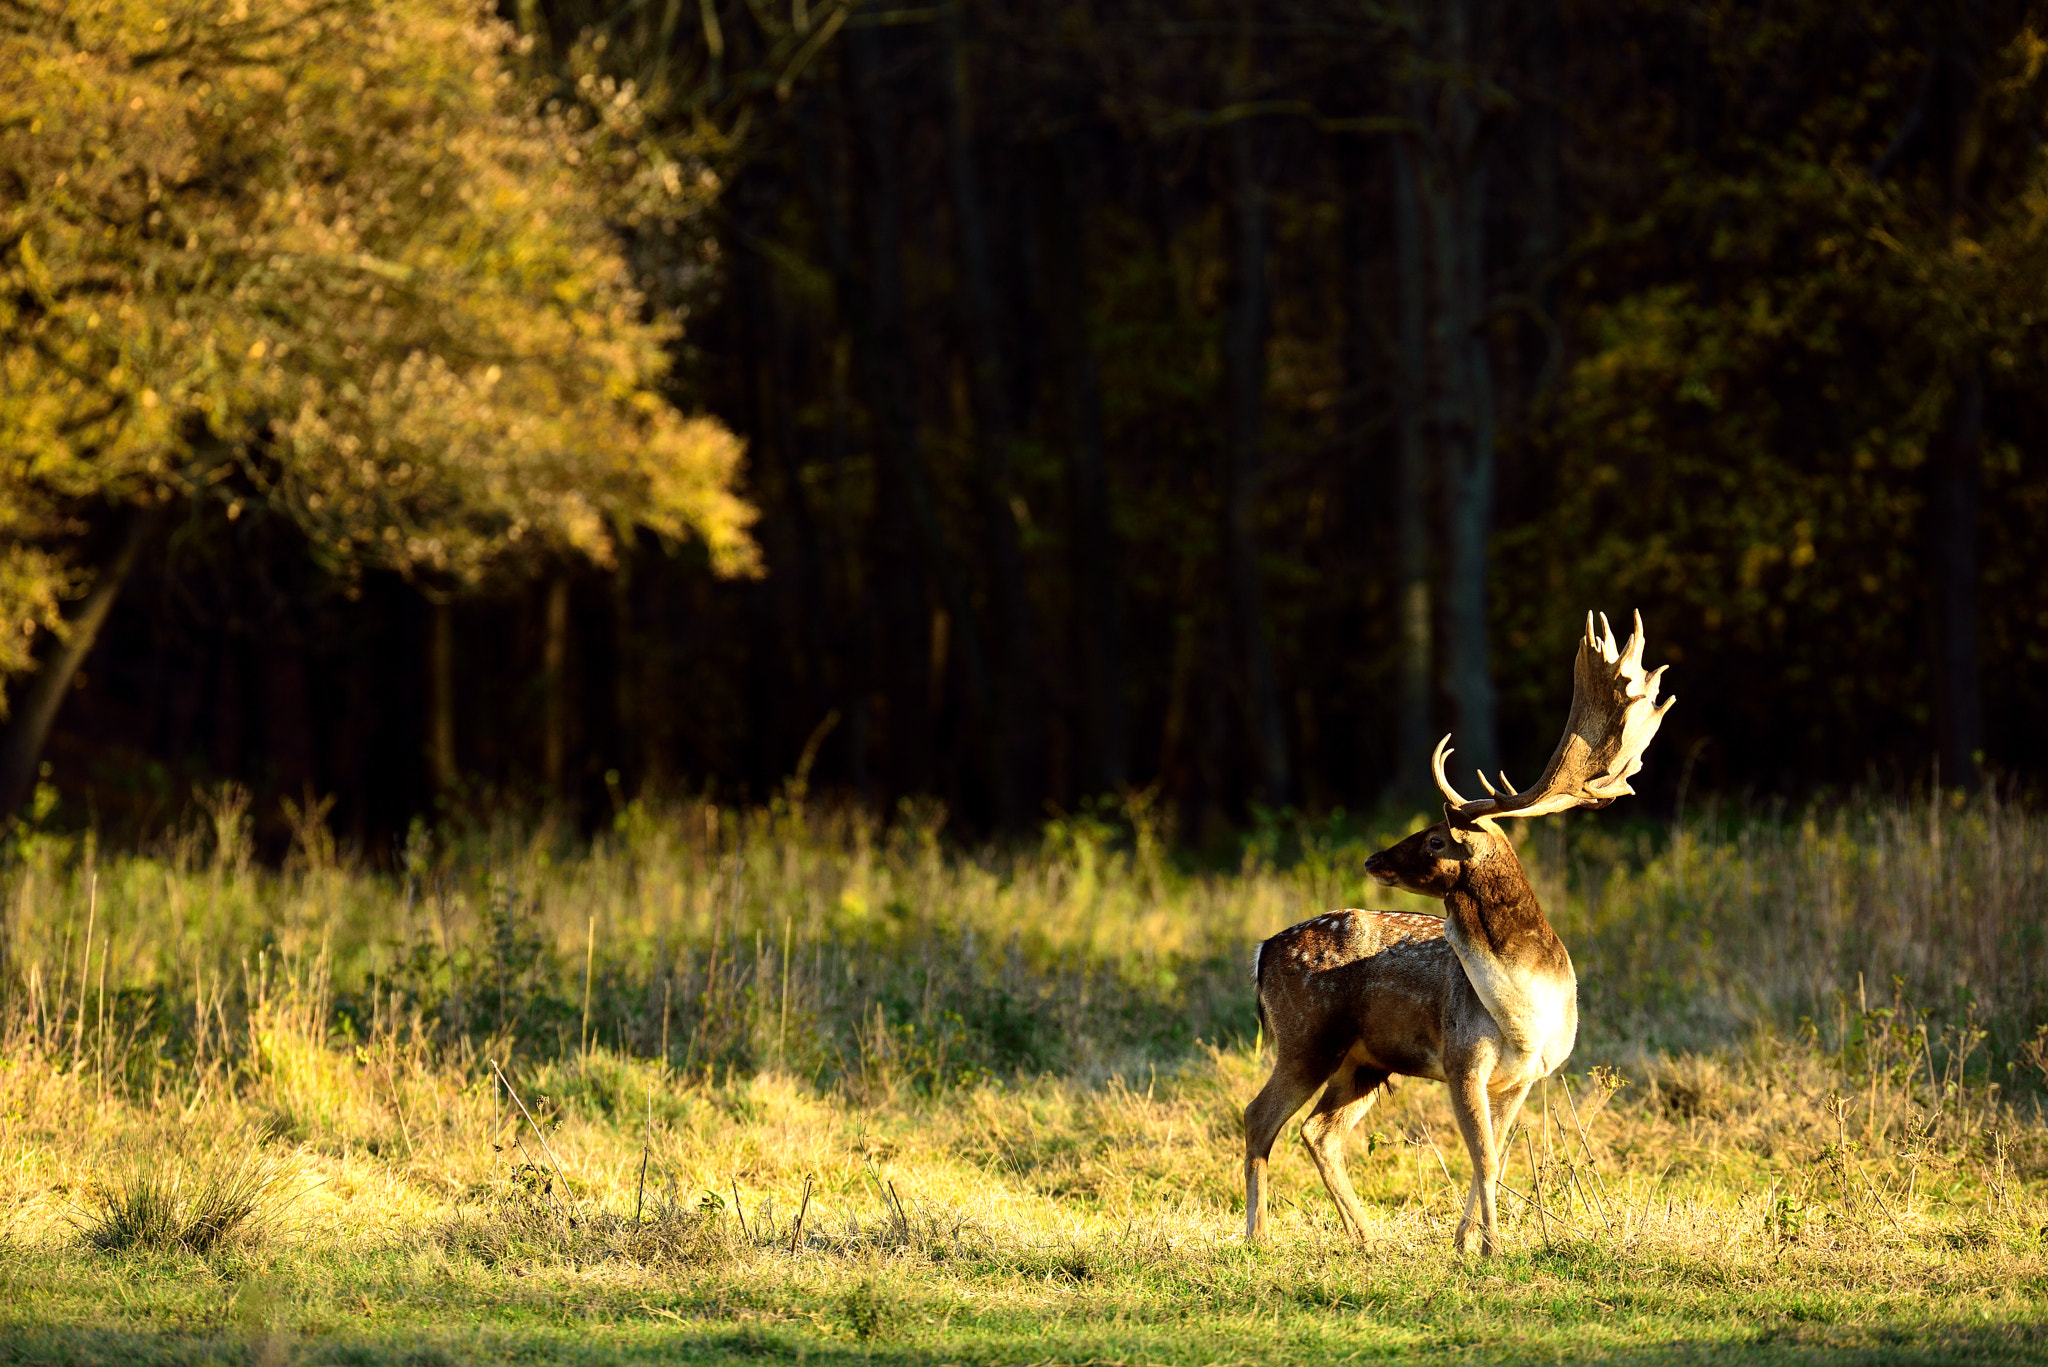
point(1228, 398)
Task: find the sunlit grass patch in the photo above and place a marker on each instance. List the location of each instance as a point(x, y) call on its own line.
point(847, 1096)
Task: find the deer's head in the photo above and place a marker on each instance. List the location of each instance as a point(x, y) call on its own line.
point(1434, 860)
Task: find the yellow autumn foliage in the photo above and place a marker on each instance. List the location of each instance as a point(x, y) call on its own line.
point(336, 258)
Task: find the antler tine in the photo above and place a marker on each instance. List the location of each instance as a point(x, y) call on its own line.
point(1512, 790)
point(1608, 649)
point(1634, 654)
point(1443, 782)
point(1487, 783)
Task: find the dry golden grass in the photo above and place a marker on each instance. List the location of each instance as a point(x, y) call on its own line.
point(1765, 1189)
point(984, 1075)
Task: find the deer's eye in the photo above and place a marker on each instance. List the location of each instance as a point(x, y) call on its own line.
point(1436, 842)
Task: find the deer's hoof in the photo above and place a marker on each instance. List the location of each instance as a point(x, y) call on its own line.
point(1467, 1240)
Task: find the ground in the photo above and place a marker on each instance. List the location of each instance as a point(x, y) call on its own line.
point(1027, 1222)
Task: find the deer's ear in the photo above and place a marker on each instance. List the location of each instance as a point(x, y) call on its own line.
point(1454, 832)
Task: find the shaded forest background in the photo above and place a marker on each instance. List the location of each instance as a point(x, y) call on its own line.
point(1227, 397)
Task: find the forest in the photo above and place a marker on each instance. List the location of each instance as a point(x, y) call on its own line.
point(670, 666)
point(1009, 404)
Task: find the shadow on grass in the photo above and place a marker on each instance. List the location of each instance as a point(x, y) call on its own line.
point(1921, 1346)
point(1871, 1344)
point(98, 1347)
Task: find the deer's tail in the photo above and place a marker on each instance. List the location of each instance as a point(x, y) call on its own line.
point(1259, 985)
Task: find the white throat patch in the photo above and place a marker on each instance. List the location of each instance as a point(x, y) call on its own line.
point(1536, 1013)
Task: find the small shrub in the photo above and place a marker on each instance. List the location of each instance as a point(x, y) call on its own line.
point(141, 1211)
point(488, 1241)
point(377, 1355)
point(523, 1224)
point(749, 1341)
point(153, 1209)
point(672, 1237)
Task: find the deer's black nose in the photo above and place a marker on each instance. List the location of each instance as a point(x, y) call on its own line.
point(1373, 862)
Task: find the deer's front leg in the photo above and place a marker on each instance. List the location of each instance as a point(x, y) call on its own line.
point(1506, 1107)
point(1473, 1108)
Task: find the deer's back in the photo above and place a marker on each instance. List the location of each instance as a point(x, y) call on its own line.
point(1375, 984)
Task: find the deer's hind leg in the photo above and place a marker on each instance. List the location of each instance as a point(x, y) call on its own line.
point(1295, 1079)
point(1344, 1103)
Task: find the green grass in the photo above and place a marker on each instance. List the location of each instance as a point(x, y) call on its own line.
point(1036, 1223)
point(254, 1117)
point(1207, 1307)
point(1765, 1204)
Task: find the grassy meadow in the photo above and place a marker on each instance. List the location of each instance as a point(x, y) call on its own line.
point(787, 1083)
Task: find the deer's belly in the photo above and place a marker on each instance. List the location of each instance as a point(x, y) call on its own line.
point(1396, 1000)
point(1395, 1033)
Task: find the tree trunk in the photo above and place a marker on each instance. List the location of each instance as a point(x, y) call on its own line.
point(628, 748)
point(791, 648)
point(554, 669)
point(1415, 665)
point(1454, 206)
point(1013, 733)
point(346, 754)
point(1544, 237)
point(1959, 464)
point(1244, 367)
point(287, 718)
point(441, 770)
point(858, 629)
point(906, 511)
point(903, 618)
point(21, 748)
point(1097, 578)
point(1957, 475)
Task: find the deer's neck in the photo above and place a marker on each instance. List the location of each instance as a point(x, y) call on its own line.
point(1516, 965)
point(1496, 912)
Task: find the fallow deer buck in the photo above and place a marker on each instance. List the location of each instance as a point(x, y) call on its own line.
point(1482, 998)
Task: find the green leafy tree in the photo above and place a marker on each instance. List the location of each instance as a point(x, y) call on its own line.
point(333, 258)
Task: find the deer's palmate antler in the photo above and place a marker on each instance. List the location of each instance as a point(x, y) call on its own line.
point(1482, 998)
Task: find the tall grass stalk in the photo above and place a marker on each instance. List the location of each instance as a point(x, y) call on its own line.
point(832, 946)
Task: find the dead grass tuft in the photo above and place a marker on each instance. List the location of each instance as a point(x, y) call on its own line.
point(159, 1205)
